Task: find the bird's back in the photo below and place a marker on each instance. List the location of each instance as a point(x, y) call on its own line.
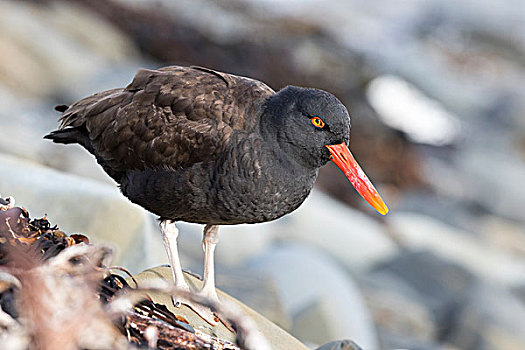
point(172, 117)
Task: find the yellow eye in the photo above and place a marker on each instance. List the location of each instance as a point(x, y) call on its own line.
point(317, 122)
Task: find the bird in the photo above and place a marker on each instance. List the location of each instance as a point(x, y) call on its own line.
point(193, 144)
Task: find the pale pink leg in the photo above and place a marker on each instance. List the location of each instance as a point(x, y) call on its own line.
point(209, 241)
point(169, 235)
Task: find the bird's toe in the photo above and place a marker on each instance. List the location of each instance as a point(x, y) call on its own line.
point(203, 311)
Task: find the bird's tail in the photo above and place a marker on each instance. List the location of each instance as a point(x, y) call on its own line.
point(72, 135)
point(66, 136)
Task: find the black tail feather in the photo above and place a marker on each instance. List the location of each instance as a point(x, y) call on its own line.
point(71, 135)
point(65, 136)
point(79, 135)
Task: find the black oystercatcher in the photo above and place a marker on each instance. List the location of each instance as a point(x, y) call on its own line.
point(197, 145)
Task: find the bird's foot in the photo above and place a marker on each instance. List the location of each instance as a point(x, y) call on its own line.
point(203, 311)
point(210, 295)
point(179, 298)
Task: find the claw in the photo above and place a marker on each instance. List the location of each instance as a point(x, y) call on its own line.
point(202, 311)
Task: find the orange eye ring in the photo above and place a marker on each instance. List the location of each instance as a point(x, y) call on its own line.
point(317, 122)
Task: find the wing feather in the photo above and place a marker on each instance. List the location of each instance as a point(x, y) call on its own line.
point(170, 117)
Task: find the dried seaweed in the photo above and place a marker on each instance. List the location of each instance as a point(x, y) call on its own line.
point(42, 270)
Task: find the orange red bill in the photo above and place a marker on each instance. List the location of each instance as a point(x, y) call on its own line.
point(342, 157)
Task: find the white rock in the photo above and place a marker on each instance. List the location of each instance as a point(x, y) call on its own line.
point(86, 206)
point(314, 287)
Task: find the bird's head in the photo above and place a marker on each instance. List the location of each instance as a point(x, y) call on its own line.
point(313, 127)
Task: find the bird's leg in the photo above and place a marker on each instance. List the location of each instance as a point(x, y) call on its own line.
point(209, 241)
point(169, 235)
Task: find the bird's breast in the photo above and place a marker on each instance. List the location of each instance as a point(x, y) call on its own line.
point(247, 184)
point(255, 185)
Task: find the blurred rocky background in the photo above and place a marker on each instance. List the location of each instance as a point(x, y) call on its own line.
point(437, 97)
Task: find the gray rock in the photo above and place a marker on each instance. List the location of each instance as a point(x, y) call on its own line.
point(324, 302)
point(315, 322)
point(441, 285)
point(454, 210)
point(491, 318)
point(421, 232)
point(398, 310)
point(277, 338)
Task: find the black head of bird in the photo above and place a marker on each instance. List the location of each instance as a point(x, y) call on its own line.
point(312, 127)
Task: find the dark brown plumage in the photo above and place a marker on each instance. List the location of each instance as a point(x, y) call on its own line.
point(193, 144)
point(170, 117)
